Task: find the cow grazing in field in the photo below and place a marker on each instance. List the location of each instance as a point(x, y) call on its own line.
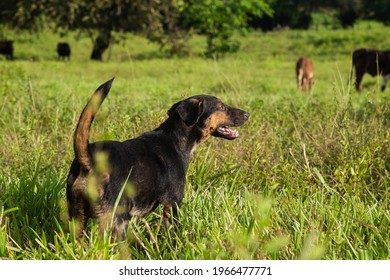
point(373, 62)
point(63, 50)
point(305, 73)
point(7, 48)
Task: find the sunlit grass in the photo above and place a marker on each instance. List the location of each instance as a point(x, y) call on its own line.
point(308, 179)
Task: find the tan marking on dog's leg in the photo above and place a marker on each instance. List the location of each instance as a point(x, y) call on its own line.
point(77, 225)
point(77, 211)
point(167, 215)
point(167, 210)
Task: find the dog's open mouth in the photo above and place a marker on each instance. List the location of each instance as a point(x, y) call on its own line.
point(226, 132)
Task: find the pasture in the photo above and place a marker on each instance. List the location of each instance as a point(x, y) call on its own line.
point(307, 179)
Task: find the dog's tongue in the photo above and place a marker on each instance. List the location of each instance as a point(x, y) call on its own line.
point(228, 132)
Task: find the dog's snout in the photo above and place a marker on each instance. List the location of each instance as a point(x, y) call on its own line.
point(240, 117)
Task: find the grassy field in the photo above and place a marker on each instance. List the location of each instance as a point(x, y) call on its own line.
point(308, 179)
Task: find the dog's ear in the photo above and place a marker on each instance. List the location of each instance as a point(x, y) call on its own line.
point(189, 110)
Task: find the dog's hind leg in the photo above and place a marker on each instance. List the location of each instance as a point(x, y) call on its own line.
point(78, 216)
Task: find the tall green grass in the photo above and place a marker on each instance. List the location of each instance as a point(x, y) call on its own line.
point(308, 179)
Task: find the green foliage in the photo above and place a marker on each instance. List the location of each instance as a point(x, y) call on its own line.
point(157, 20)
point(100, 18)
point(22, 14)
point(219, 19)
point(172, 23)
point(307, 179)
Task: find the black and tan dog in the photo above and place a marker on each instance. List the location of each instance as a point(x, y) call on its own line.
point(135, 176)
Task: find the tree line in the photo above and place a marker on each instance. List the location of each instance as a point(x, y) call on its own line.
point(299, 13)
point(171, 23)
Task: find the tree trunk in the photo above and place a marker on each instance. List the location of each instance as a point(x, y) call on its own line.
point(101, 44)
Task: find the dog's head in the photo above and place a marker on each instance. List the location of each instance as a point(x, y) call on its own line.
point(209, 116)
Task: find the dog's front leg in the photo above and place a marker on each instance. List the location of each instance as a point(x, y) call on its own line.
point(169, 212)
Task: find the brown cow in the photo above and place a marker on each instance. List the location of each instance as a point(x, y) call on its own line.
point(373, 62)
point(6, 48)
point(305, 73)
point(63, 50)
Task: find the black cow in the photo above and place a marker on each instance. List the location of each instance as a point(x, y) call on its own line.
point(63, 50)
point(373, 62)
point(7, 48)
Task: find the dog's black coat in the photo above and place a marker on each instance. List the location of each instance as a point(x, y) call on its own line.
point(155, 163)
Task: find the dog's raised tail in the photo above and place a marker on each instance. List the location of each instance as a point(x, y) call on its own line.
point(81, 135)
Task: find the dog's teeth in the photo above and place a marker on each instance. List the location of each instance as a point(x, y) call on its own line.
point(228, 131)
